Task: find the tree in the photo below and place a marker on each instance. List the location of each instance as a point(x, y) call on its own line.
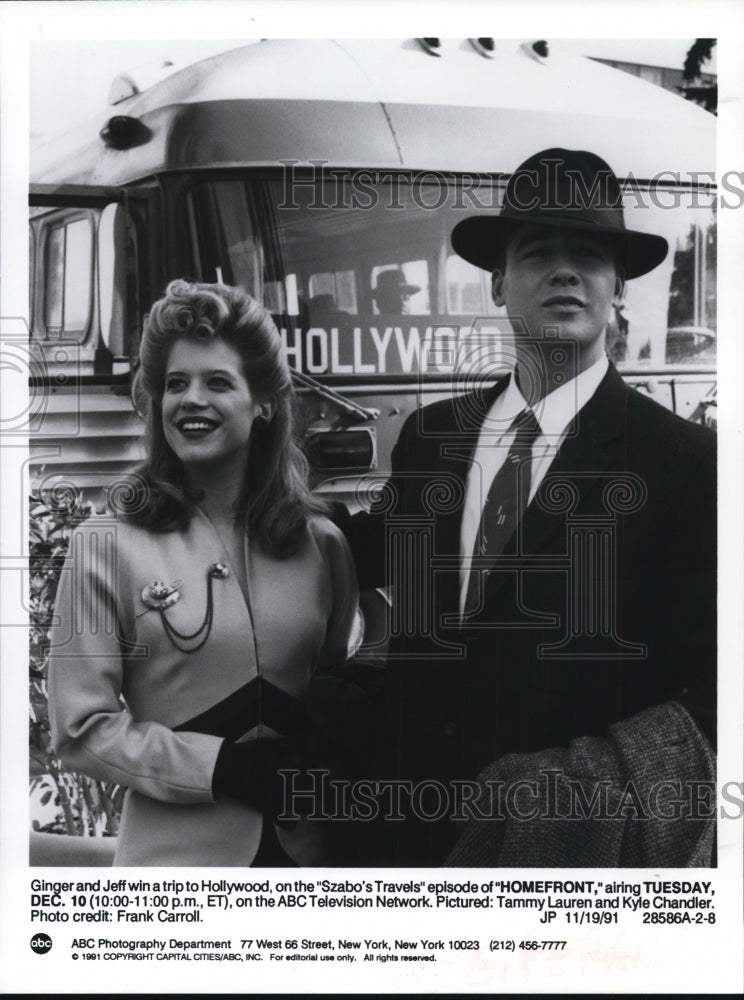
point(705, 94)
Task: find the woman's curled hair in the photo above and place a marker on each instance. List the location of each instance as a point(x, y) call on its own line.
point(275, 500)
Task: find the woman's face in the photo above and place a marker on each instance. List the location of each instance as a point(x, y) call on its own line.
point(208, 406)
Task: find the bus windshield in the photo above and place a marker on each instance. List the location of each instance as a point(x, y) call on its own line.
point(359, 273)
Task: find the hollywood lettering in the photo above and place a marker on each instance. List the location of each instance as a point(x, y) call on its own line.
point(371, 350)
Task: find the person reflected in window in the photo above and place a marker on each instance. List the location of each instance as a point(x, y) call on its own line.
point(392, 292)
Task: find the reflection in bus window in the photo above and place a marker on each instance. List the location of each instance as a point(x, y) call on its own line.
point(468, 288)
point(401, 288)
point(669, 315)
point(68, 279)
point(54, 268)
point(333, 290)
point(114, 249)
point(274, 297)
point(464, 286)
point(224, 244)
point(78, 259)
point(691, 335)
point(316, 261)
point(292, 298)
point(346, 297)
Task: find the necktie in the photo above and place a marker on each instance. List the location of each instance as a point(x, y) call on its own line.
point(505, 504)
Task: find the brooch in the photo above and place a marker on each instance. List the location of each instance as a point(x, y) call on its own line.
point(159, 596)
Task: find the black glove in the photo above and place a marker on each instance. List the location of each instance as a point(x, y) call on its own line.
point(339, 513)
point(249, 772)
point(343, 710)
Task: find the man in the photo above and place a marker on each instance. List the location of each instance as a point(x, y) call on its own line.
point(570, 578)
point(392, 292)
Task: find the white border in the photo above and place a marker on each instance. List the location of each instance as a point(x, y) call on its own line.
point(720, 969)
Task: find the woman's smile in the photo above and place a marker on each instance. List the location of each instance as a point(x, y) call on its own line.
point(196, 427)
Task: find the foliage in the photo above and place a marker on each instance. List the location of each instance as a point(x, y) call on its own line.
point(699, 52)
point(83, 806)
point(694, 90)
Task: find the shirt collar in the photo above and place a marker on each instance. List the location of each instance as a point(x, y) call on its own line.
point(556, 411)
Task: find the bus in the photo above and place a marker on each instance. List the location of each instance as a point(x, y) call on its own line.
point(313, 173)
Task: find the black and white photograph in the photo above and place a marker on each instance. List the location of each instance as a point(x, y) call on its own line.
point(372, 489)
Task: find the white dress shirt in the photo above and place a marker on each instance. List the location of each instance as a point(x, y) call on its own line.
point(554, 413)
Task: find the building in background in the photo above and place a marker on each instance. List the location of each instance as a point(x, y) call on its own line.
point(668, 77)
point(696, 79)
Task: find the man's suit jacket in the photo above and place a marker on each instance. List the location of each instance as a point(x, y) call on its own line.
point(603, 604)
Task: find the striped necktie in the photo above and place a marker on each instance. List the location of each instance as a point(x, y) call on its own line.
point(505, 504)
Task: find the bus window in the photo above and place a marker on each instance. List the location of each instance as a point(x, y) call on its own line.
point(225, 246)
point(468, 288)
point(346, 298)
point(68, 260)
point(692, 299)
point(668, 317)
point(257, 231)
point(413, 274)
point(291, 295)
point(321, 286)
point(78, 266)
point(333, 290)
point(112, 253)
point(281, 297)
point(274, 297)
point(54, 271)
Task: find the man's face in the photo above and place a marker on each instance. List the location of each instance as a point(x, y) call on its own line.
point(562, 279)
point(393, 300)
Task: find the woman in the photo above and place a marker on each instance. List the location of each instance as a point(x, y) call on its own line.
point(207, 605)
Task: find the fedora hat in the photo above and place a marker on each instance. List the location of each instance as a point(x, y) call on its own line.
point(394, 280)
point(567, 189)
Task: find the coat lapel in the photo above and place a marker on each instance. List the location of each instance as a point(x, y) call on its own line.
point(587, 453)
point(582, 460)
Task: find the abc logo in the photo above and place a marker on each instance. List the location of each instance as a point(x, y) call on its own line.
point(41, 944)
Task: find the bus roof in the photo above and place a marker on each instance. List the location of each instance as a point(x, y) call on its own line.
point(389, 104)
